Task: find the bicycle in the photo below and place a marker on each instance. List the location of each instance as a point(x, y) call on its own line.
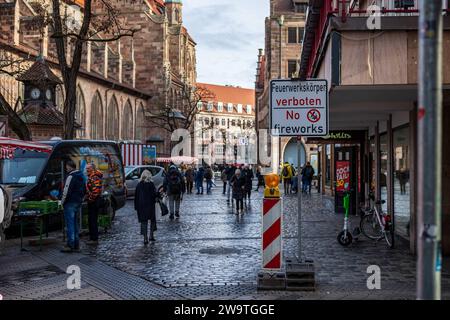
point(376, 224)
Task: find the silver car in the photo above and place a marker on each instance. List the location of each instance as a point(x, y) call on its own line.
point(133, 174)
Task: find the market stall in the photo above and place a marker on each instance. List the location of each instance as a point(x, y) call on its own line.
point(36, 212)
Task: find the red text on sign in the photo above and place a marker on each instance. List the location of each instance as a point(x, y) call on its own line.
point(294, 102)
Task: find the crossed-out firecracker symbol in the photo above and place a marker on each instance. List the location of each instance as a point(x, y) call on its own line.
point(313, 115)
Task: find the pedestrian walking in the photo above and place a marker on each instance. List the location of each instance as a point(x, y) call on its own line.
point(223, 177)
point(238, 185)
point(209, 174)
point(175, 187)
point(307, 176)
point(286, 176)
point(248, 176)
point(144, 203)
point(94, 188)
point(260, 179)
point(200, 175)
point(72, 198)
point(230, 174)
point(189, 175)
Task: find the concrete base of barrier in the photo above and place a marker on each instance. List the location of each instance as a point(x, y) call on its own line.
point(271, 280)
point(297, 276)
point(300, 276)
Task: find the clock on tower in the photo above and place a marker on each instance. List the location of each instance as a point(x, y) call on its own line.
point(40, 84)
point(39, 110)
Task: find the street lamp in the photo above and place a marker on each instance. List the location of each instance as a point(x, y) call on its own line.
point(280, 21)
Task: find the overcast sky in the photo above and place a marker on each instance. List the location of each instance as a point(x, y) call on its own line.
point(228, 35)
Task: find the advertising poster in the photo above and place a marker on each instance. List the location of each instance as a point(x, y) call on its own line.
point(342, 176)
point(149, 154)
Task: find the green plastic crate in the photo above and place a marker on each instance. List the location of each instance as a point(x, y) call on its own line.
point(104, 221)
point(44, 207)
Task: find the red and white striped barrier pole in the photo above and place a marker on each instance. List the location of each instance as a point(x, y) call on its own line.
point(272, 225)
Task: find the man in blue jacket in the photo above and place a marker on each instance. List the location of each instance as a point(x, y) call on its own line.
point(72, 198)
point(199, 180)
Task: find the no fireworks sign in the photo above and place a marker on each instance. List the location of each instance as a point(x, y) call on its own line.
point(299, 108)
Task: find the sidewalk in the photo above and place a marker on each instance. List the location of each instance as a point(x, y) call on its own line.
point(209, 253)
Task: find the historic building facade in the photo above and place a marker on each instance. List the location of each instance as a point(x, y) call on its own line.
point(224, 128)
point(120, 83)
point(280, 60)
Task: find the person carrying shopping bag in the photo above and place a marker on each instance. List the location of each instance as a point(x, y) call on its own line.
point(144, 203)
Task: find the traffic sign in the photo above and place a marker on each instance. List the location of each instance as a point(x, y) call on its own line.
point(299, 108)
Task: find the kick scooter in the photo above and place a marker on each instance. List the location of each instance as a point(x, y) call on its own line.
point(345, 237)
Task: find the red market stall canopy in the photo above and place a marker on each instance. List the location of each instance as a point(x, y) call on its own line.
point(178, 160)
point(8, 146)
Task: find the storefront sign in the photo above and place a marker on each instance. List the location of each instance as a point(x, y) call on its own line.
point(348, 136)
point(299, 108)
point(342, 176)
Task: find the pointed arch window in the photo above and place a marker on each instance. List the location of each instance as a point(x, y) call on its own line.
point(140, 123)
point(80, 114)
point(96, 118)
point(127, 123)
point(112, 121)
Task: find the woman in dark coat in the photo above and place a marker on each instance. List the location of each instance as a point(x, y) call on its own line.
point(144, 204)
point(238, 185)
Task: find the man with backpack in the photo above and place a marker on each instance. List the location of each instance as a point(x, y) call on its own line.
point(307, 176)
point(208, 177)
point(175, 187)
point(286, 176)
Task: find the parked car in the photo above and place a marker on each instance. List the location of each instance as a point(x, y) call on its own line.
point(31, 175)
point(133, 174)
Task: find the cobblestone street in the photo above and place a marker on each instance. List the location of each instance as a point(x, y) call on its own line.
point(210, 253)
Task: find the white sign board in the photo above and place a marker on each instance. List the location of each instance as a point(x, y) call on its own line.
point(299, 108)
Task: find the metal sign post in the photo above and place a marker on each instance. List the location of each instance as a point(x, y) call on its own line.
point(429, 211)
point(299, 108)
point(299, 200)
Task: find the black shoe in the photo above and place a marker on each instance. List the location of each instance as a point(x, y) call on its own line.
point(145, 240)
point(152, 239)
point(177, 215)
point(171, 217)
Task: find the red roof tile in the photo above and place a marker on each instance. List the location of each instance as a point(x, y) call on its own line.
point(228, 94)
